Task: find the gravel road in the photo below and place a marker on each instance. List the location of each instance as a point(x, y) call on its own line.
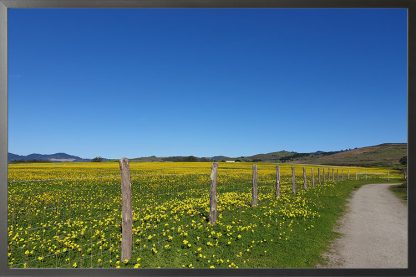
point(373, 231)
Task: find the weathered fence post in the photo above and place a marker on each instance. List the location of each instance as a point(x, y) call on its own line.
point(337, 174)
point(213, 194)
point(304, 179)
point(333, 179)
point(313, 178)
point(329, 174)
point(293, 180)
point(323, 174)
point(254, 191)
point(342, 174)
point(405, 173)
point(277, 181)
point(348, 174)
point(356, 175)
point(319, 175)
point(127, 213)
point(366, 175)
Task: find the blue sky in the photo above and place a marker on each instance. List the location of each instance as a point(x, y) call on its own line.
point(205, 81)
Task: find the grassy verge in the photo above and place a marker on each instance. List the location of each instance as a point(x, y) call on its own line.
point(293, 240)
point(400, 191)
point(331, 205)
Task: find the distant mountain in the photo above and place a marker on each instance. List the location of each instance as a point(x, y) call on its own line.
point(221, 158)
point(149, 159)
point(271, 157)
point(13, 157)
point(57, 157)
point(172, 159)
point(387, 154)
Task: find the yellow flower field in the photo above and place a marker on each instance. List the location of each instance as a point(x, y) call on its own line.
point(69, 215)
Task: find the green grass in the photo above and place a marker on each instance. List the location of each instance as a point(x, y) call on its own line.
point(400, 191)
point(75, 221)
point(276, 241)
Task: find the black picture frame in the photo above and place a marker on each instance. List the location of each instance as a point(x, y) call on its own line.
point(407, 4)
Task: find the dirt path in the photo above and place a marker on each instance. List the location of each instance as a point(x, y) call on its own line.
point(373, 231)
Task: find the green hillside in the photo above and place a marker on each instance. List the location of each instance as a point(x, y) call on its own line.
point(387, 154)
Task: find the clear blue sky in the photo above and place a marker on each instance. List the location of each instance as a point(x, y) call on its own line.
point(205, 81)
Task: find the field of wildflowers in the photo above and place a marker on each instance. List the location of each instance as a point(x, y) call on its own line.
point(68, 215)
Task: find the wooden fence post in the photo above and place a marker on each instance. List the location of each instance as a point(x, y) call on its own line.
point(277, 181)
point(319, 175)
point(405, 173)
point(356, 175)
point(313, 178)
point(337, 174)
point(213, 195)
point(329, 174)
point(127, 213)
point(333, 179)
point(323, 174)
point(304, 179)
point(342, 174)
point(293, 180)
point(348, 174)
point(254, 191)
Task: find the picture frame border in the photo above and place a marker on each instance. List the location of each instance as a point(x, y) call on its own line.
point(411, 98)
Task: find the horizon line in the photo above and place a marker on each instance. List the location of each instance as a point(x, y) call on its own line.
point(206, 156)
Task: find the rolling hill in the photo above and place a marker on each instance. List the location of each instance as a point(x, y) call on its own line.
point(57, 157)
point(387, 154)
